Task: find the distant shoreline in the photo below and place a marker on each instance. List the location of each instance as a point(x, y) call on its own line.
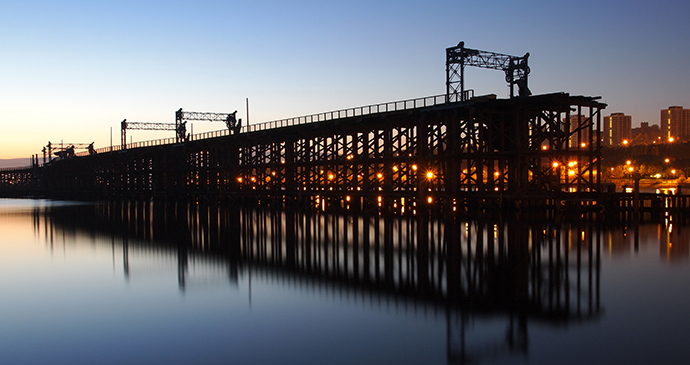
point(15, 162)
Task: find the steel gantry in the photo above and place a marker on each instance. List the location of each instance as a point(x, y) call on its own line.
point(181, 118)
point(65, 150)
point(180, 125)
point(149, 126)
point(515, 68)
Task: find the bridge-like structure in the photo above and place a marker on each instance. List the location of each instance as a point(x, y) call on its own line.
point(509, 152)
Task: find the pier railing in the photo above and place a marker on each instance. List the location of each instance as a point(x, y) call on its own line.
point(351, 112)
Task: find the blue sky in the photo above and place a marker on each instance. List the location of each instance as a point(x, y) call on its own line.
point(72, 70)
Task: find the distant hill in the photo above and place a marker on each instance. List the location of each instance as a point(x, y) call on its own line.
point(15, 162)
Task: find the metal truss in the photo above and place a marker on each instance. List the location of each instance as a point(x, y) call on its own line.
point(515, 68)
point(181, 118)
point(150, 126)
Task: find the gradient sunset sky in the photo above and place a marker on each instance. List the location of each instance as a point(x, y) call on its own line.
point(72, 70)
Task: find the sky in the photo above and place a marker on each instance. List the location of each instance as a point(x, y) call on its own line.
point(71, 71)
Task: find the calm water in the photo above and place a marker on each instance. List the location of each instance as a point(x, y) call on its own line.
point(144, 283)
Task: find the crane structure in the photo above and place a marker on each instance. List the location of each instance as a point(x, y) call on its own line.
point(180, 125)
point(181, 118)
point(516, 70)
point(149, 126)
point(65, 150)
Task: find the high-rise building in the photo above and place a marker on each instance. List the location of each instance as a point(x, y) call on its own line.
point(675, 123)
point(617, 130)
point(579, 138)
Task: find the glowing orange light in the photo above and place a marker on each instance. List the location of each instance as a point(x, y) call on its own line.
point(671, 139)
point(414, 167)
point(667, 160)
point(239, 179)
point(379, 175)
point(430, 200)
point(555, 164)
point(430, 175)
point(395, 168)
point(331, 176)
point(545, 147)
point(625, 142)
point(583, 144)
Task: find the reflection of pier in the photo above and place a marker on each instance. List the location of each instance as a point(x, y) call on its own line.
point(506, 272)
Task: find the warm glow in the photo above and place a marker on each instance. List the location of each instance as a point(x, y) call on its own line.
point(331, 176)
point(347, 198)
point(583, 144)
point(671, 139)
point(414, 167)
point(555, 164)
point(630, 169)
point(430, 175)
point(571, 172)
point(239, 179)
point(379, 175)
point(544, 147)
point(253, 179)
point(430, 200)
point(496, 173)
point(625, 142)
point(628, 162)
point(395, 168)
point(673, 171)
point(667, 160)
point(572, 163)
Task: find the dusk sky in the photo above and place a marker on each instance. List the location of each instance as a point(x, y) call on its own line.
point(72, 70)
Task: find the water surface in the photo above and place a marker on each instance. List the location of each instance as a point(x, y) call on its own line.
point(176, 283)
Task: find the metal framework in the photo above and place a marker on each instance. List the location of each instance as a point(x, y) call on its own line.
point(515, 68)
point(65, 150)
point(150, 126)
point(180, 125)
point(181, 118)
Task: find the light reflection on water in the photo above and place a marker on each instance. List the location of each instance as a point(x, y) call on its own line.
point(142, 282)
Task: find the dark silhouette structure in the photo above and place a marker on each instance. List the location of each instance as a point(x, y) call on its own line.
point(493, 151)
point(515, 68)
